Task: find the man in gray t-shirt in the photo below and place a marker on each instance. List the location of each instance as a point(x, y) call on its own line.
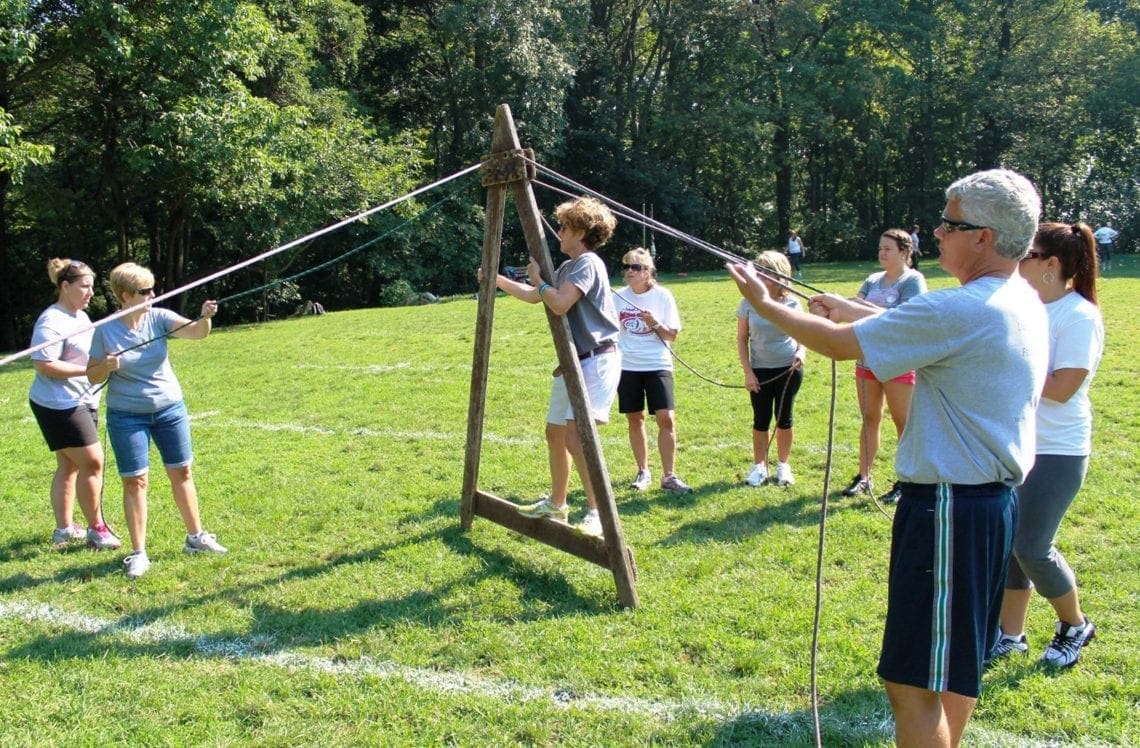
point(980, 352)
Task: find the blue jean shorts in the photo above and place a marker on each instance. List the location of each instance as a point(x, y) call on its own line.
point(130, 435)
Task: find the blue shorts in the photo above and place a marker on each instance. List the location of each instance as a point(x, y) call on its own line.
point(130, 435)
point(949, 548)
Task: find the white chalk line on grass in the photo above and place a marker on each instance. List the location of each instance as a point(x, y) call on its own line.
point(259, 650)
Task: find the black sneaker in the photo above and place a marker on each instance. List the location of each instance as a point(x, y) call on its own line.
point(892, 496)
point(1065, 649)
point(858, 485)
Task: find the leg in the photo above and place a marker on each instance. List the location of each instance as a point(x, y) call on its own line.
point(926, 718)
point(135, 510)
point(638, 442)
point(63, 488)
point(559, 463)
point(88, 482)
point(784, 444)
point(1068, 608)
point(185, 497)
point(898, 396)
point(760, 447)
point(574, 447)
point(1014, 608)
point(666, 440)
point(871, 406)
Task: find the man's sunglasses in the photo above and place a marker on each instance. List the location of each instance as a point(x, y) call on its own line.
point(950, 226)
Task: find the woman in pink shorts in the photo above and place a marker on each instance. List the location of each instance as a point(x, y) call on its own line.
point(893, 285)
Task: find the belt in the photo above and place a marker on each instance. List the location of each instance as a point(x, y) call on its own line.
point(607, 347)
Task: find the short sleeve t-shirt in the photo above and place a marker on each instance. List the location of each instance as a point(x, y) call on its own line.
point(62, 394)
point(641, 349)
point(980, 353)
point(144, 381)
point(593, 319)
point(769, 347)
point(1076, 341)
point(881, 292)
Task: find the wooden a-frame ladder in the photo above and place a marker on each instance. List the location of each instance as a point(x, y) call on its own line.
point(507, 167)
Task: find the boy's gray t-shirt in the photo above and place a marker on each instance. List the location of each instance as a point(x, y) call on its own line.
point(980, 352)
point(145, 381)
point(593, 319)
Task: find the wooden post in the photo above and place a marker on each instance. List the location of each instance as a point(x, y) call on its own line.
point(506, 166)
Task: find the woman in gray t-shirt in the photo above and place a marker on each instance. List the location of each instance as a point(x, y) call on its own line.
point(895, 283)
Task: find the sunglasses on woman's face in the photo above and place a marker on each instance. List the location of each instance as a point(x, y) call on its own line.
point(634, 266)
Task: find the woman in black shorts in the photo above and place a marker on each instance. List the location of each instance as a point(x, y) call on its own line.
point(66, 408)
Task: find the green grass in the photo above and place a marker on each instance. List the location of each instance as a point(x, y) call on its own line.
point(352, 608)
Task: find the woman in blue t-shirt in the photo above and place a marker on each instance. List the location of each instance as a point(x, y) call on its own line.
point(894, 284)
point(144, 402)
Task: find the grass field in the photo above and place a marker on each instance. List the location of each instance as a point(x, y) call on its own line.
point(352, 608)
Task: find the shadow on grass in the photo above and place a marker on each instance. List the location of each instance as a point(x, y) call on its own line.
point(277, 627)
point(792, 509)
point(874, 724)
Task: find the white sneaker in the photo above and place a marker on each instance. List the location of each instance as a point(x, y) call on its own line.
point(642, 481)
point(136, 564)
point(784, 474)
point(591, 524)
point(203, 542)
point(758, 475)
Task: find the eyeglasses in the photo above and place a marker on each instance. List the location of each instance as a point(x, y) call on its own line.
point(949, 225)
point(634, 266)
point(1034, 255)
point(144, 291)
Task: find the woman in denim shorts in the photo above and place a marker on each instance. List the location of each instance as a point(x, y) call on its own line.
point(144, 402)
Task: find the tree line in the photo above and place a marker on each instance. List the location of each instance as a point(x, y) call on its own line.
point(189, 134)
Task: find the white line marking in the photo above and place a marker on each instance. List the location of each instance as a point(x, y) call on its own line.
point(261, 650)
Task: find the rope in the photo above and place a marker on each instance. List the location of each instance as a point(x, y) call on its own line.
point(650, 222)
point(246, 263)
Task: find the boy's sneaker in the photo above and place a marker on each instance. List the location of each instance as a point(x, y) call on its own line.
point(1007, 645)
point(758, 475)
point(591, 524)
point(544, 508)
point(784, 474)
point(203, 542)
point(136, 564)
point(102, 539)
point(1065, 649)
point(892, 496)
point(61, 536)
point(858, 485)
point(642, 481)
point(672, 482)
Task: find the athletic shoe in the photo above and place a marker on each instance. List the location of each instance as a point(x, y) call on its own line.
point(203, 542)
point(858, 485)
point(1007, 645)
point(136, 564)
point(102, 539)
point(61, 536)
point(591, 524)
point(784, 474)
point(642, 481)
point(892, 496)
point(672, 482)
point(758, 475)
point(1065, 649)
point(544, 508)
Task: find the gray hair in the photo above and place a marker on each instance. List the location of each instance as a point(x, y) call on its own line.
point(1003, 201)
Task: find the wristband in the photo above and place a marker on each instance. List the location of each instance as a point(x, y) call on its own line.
point(542, 288)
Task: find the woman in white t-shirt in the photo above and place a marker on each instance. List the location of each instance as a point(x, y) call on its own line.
point(1062, 267)
point(895, 283)
point(649, 321)
point(66, 406)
